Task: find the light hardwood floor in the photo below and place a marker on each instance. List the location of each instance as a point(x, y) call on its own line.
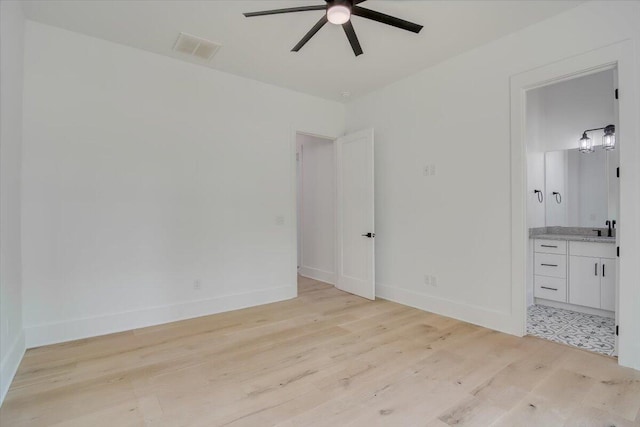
point(326, 358)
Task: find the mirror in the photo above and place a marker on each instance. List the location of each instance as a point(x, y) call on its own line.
point(581, 189)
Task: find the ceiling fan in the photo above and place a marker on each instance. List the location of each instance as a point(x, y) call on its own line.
point(339, 12)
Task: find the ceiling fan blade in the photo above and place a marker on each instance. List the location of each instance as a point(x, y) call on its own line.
point(287, 10)
point(310, 34)
point(353, 39)
point(386, 19)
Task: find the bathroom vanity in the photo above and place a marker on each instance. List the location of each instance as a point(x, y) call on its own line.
point(578, 271)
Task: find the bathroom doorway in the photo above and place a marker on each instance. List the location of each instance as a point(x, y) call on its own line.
point(573, 204)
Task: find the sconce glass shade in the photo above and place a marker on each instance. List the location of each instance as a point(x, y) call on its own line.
point(585, 145)
point(609, 138)
point(338, 14)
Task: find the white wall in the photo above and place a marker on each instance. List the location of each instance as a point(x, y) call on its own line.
point(456, 115)
point(144, 178)
point(317, 213)
point(11, 50)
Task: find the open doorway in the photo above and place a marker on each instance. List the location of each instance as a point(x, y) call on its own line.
point(573, 211)
point(335, 210)
point(316, 207)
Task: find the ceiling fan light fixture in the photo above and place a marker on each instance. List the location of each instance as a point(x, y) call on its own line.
point(338, 14)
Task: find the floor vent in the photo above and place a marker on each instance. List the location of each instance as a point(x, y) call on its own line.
point(196, 46)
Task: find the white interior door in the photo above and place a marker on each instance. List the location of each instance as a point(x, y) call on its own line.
point(355, 232)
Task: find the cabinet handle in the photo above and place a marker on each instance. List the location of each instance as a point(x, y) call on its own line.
point(596, 270)
point(549, 246)
point(603, 270)
point(550, 265)
point(551, 289)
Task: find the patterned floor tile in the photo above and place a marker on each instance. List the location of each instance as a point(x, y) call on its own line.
point(588, 331)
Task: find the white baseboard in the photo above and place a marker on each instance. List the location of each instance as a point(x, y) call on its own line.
point(75, 329)
point(496, 320)
point(10, 363)
point(317, 274)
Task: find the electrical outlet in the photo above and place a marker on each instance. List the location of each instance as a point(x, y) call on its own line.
point(429, 170)
point(430, 280)
point(197, 285)
point(280, 220)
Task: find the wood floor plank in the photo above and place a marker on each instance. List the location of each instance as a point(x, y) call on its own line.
point(325, 358)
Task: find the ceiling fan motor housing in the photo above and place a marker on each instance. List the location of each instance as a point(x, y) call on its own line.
point(347, 3)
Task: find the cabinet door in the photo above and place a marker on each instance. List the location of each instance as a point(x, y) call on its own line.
point(608, 284)
point(584, 281)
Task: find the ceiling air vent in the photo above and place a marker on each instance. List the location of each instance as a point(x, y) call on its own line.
point(196, 46)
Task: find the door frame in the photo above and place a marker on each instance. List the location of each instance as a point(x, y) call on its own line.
point(621, 56)
point(294, 211)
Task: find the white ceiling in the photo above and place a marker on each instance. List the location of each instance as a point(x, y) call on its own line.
point(259, 48)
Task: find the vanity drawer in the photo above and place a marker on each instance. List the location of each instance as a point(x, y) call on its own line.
point(598, 250)
point(552, 265)
point(551, 246)
point(551, 288)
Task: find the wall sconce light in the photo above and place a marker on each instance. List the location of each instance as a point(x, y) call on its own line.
point(609, 138)
point(585, 144)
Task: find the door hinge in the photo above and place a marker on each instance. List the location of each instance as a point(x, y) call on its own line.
point(617, 330)
point(616, 93)
point(618, 251)
point(618, 172)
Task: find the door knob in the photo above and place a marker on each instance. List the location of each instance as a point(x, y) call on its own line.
point(369, 235)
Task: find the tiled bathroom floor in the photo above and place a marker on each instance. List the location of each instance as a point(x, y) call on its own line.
point(587, 331)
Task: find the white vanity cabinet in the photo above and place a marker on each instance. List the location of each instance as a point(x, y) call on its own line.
point(592, 275)
point(550, 269)
point(575, 272)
